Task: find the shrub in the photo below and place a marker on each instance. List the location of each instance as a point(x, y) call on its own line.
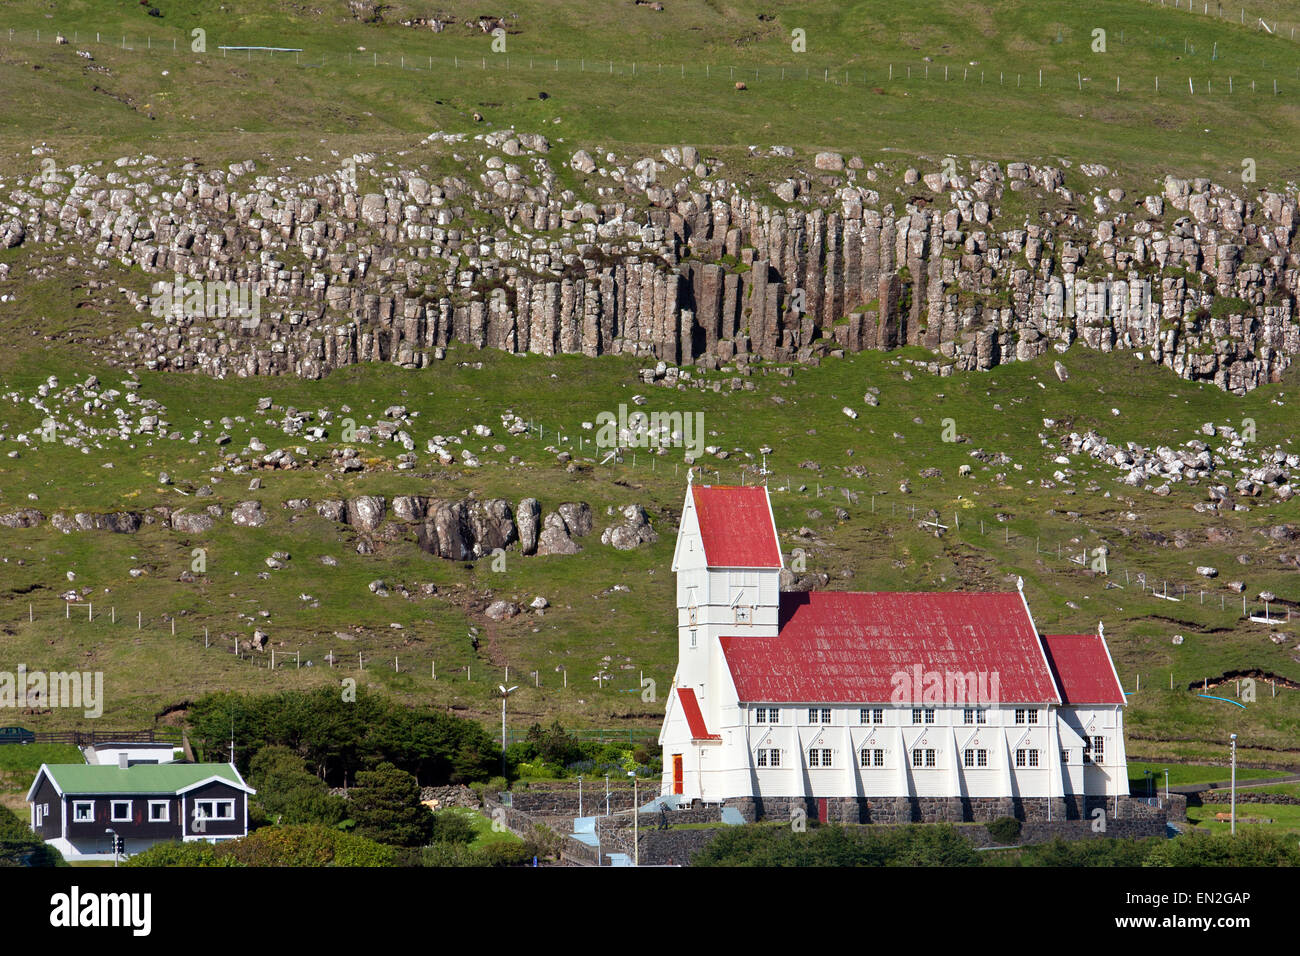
point(451, 826)
point(311, 845)
point(182, 854)
point(451, 854)
point(509, 853)
point(1005, 830)
point(386, 806)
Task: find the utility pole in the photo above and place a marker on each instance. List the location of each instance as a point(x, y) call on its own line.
point(1234, 785)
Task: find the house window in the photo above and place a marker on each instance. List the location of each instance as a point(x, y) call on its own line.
point(1026, 715)
point(767, 715)
point(819, 715)
point(694, 638)
point(872, 757)
point(1026, 758)
point(160, 811)
point(975, 757)
point(773, 715)
point(923, 757)
point(919, 715)
point(121, 811)
point(214, 809)
point(871, 715)
point(1065, 757)
point(1096, 752)
point(929, 715)
point(760, 715)
point(975, 715)
point(83, 811)
point(916, 715)
point(819, 757)
point(769, 757)
point(761, 759)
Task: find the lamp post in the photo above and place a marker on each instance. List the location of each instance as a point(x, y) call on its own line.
point(636, 822)
point(114, 832)
point(606, 794)
point(504, 694)
point(1166, 785)
point(1233, 740)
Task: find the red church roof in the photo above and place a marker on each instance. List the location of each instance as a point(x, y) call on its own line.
point(1083, 669)
point(694, 719)
point(847, 647)
point(736, 526)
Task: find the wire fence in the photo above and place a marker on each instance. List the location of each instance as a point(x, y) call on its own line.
point(1264, 78)
point(991, 529)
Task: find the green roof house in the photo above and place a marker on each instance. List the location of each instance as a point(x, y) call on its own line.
point(83, 809)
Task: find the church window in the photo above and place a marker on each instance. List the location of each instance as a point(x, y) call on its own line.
point(872, 757)
point(1026, 758)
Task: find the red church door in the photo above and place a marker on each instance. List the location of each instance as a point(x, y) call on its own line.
point(821, 809)
point(677, 773)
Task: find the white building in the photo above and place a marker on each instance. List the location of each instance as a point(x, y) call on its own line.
point(843, 695)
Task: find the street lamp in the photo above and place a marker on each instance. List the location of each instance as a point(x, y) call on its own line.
point(1233, 739)
point(636, 822)
point(114, 832)
point(1166, 785)
point(606, 794)
point(504, 694)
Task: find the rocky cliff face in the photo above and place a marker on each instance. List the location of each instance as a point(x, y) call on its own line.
point(381, 260)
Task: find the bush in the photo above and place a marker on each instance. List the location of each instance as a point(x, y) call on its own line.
point(386, 806)
point(509, 853)
point(288, 793)
point(451, 826)
point(19, 846)
point(451, 854)
point(182, 854)
point(1005, 830)
point(312, 845)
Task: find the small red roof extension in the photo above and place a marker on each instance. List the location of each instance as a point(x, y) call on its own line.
point(736, 526)
point(694, 719)
point(846, 647)
point(1083, 669)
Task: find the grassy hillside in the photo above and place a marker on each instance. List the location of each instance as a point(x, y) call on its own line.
point(952, 77)
point(628, 75)
point(593, 630)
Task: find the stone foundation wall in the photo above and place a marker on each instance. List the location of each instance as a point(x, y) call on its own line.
point(946, 809)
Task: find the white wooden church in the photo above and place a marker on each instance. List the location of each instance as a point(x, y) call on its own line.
point(870, 694)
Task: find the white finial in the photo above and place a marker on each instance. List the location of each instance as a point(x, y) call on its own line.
point(1101, 630)
point(1020, 583)
point(690, 475)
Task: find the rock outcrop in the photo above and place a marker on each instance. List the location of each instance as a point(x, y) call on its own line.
point(667, 258)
